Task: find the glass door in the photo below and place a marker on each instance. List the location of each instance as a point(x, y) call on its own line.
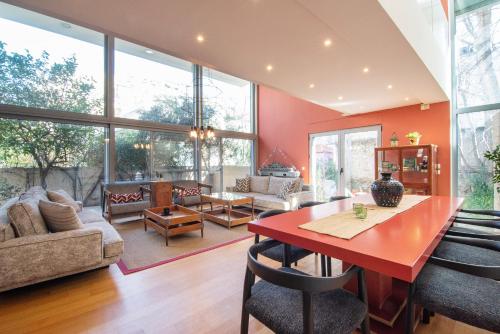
point(325, 165)
point(343, 162)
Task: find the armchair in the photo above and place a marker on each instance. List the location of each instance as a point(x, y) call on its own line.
point(112, 210)
point(188, 193)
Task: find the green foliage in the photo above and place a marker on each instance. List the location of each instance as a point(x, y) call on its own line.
point(34, 82)
point(494, 156)
point(479, 194)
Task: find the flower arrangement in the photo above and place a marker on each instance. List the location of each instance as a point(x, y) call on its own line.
point(394, 139)
point(414, 137)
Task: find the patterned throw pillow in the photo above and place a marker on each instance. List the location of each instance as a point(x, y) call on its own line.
point(191, 192)
point(286, 189)
point(242, 185)
point(126, 198)
point(298, 183)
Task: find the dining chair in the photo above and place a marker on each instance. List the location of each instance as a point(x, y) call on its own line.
point(463, 291)
point(338, 198)
point(290, 301)
point(469, 250)
point(286, 254)
point(309, 204)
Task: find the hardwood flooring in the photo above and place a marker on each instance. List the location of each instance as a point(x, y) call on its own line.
point(199, 294)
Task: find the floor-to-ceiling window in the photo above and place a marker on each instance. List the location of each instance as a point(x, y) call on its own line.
point(477, 100)
point(78, 107)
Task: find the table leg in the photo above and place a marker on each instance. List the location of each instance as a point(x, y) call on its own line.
point(145, 225)
point(166, 236)
point(229, 208)
point(286, 256)
point(253, 212)
point(410, 309)
point(202, 225)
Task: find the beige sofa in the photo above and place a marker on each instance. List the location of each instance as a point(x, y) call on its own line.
point(264, 189)
point(35, 258)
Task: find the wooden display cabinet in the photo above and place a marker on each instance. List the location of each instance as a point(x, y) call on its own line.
point(415, 166)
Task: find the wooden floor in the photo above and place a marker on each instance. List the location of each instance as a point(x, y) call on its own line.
point(199, 294)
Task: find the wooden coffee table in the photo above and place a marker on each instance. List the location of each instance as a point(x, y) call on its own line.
point(180, 220)
point(226, 215)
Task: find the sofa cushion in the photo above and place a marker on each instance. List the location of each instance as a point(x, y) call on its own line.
point(36, 193)
point(6, 228)
point(113, 242)
point(59, 217)
point(62, 197)
point(269, 201)
point(90, 216)
point(127, 198)
point(125, 208)
point(259, 184)
point(242, 185)
point(275, 184)
point(286, 189)
point(26, 218)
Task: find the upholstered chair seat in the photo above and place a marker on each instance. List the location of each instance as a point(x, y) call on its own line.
point(463, 297)
point(280, 308)
point(276, 253)
point(467, 254)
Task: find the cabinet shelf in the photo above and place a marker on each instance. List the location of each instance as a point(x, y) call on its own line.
point(415, 166)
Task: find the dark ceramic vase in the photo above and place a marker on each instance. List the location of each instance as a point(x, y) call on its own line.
point(387, 191)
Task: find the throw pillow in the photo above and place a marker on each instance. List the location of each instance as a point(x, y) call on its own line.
point(275, 184)
point(126, 198)
point(242, 185)
point(59, 217)
point(298, 185)
point(259, 184)
point(62, 197)
point(26, 218)
point(187, 192)
point(286, 189)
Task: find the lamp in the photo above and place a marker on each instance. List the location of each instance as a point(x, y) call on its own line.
point(202, 133)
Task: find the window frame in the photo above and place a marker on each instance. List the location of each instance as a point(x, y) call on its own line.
point(111, 122)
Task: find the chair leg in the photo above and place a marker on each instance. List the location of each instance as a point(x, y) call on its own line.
point(329, 266)
point(307, 310)
point(286, 256)
point(323, 265)
point(247, 291)
point(410, 309)
point(362, 295)
point(426, 316)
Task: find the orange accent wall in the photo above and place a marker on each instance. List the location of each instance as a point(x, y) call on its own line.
point(286, 122)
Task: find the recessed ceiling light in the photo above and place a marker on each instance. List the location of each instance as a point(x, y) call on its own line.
point(327, 42)
point(340, 97)
point(311, 85)
point(200, 38)
point(366, 70)
point(389, 86)
point(269, 68)
point(407, 98)
point(149, 52)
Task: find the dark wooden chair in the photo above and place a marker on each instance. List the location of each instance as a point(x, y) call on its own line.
point(338, 198)
point(290, 301)
point(308, 204)
point(180, 187)
point(112, 210)
point(460, 282)
point(285, 254)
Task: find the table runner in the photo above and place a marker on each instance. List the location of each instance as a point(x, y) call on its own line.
point(345, 225)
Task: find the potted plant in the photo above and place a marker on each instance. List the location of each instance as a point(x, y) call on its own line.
point(394, 139)
point(414, 137)
point(494, 156)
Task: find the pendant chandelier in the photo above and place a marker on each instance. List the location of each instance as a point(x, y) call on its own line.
point(201, 132)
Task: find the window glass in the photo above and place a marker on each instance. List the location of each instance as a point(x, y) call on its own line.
point(227, 102)
point(51, 155)
point(173, 156)
point(236, 160)
point(152, 86)
point(478, 132)
point(50, 64)
point(211, 163)
point(477, 57)
point(133, 149)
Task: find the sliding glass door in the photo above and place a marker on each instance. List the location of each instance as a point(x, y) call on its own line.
point(342, 162)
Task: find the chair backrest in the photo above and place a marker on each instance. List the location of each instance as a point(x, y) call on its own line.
point(338, 198)
point(270, 213)
point(125, 187)
point(309, 204)
point(294, 281)
point(495, 213)
point(185, 183)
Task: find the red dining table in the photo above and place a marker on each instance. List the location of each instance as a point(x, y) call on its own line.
point(392, 253)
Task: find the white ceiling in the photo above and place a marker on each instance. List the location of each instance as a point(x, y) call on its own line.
point(243, 36)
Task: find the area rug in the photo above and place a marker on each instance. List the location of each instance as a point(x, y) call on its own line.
point(144, 250)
